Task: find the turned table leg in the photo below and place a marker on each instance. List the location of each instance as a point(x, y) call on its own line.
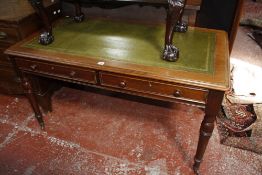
point(32, 99)
point(46, 36)
point(173, 23)
point(79, 16)
point(214, 101)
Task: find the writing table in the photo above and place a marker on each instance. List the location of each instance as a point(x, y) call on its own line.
point(124, 57)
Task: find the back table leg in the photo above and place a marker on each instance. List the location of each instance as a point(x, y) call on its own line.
point(79, 16)
point(173, 23)
point(213, 105)
point(181, 26)
point(46, 37)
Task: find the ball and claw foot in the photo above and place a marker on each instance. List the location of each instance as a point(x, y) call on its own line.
point(79, 18)
point(181, 27)
point(171, 53)
point(46, 38)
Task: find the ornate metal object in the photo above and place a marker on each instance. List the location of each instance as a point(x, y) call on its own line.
point(46, 38)
point(79, 18)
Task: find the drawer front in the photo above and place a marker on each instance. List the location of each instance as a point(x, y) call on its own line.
point(9, 35)
point(67, 72)
point(154, 87)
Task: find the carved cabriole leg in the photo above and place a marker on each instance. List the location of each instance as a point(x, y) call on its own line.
point(30, 95)
point(46, 37)
point(181, 26)
point(79, 16)
point(214, 101)
point(174, 13)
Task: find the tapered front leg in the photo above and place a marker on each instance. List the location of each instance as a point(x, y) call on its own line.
point(46, 36)
point(212, 108)
point(174, 15)
point(30, 95)
point(79, 16)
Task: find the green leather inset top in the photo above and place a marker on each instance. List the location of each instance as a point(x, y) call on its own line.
point(133, 43)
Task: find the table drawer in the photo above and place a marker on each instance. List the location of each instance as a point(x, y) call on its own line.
point(9, 35)
point(154, 87)
point(67, 72)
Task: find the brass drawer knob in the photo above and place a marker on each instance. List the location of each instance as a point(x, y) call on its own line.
point(122, 84)
point(177, 93)
point(72, 73)
point(33, 67)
